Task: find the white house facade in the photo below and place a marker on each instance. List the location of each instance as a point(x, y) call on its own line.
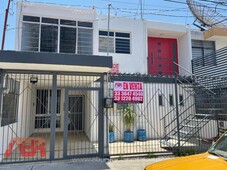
point(63, 70)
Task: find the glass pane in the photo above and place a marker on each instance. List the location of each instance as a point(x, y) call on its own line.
point(208, 51)
point(85, 41)
point(50, 20)
point(122, 46)
point(85, 24)
point(103, 44)
point(197, 43)
point(49, 38)
point(31, 18)
point(210, 57)
point(120, 34)
point(68, 40)
point(68, 22)
point(197, 52)
point(105, 33)
point(30, 40)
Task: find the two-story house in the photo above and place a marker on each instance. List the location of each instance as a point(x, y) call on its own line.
point(53, 86)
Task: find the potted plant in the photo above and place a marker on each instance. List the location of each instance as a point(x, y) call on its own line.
point(129, 117)
point(141, 135)
point(111, 133)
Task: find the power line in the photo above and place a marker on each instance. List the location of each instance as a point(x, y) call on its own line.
point(134, 12)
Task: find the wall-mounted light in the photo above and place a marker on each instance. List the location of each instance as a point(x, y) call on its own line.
point(33, 79)
point(108, 102)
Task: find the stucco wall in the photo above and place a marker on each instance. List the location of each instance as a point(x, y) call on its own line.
point(136, 60)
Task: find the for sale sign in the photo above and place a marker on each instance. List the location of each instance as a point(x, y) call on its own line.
point(128, 91)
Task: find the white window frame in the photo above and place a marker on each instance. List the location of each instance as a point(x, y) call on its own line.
point(59, 25)
point(114, 38)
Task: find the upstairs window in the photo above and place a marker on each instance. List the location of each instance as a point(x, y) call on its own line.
point(49, 38)
point(56, 35)
point(203, 53)
point(68, 37)
point(119, 42)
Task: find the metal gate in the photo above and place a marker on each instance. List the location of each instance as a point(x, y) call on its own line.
point(178, 114)
point(49, 116)
point(81, 118)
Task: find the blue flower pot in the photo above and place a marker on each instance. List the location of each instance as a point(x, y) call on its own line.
point(141, 135)
point(128, 136)
point(111, 137)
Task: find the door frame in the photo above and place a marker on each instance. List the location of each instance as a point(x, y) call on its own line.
point(100, 121)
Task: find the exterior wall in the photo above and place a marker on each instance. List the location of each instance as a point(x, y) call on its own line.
point(185, 53)
point(220, 43)
point(218, 35)
point(136, 61)
point(197, 35)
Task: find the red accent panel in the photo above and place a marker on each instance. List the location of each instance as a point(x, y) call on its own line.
point(160, 55)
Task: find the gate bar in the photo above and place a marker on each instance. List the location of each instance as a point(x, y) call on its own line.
point(65, 147)
point(53, 115)
point(101, 129)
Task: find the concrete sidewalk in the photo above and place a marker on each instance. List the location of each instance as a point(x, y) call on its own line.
point(87, 164)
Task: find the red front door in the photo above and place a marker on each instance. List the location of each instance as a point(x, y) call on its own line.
point(161, 54)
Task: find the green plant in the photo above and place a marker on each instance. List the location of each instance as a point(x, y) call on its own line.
point(111, 127)
point(129, 117)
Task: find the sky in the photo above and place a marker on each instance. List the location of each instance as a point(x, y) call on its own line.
point(174, 11)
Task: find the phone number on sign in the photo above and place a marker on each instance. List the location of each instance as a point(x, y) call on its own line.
point(128, 98)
